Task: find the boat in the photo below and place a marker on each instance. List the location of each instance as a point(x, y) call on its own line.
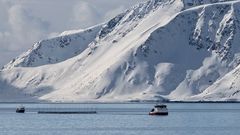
point(20, 109)
point(159, 110)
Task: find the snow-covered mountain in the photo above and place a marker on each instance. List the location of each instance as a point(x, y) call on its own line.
point(50, 51)
point(157, 50)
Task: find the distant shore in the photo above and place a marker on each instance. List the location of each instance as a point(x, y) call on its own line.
point(127, 102)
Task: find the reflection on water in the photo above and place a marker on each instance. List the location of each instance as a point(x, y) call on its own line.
point(183, 119)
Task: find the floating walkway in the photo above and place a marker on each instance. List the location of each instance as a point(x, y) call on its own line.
point(67, 112)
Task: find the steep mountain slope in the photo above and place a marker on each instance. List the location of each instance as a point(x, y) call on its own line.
point(55, 50)
point(216, 30)
point(194, 3)
point(161, 49)
point(226, 88)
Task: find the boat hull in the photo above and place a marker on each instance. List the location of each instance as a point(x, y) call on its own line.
point(158, 113)
point(20, 110)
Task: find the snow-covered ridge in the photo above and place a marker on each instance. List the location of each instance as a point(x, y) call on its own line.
point(157, 50)
point(211, 29)
point(194, 3)
point(55, 50)
point(133, 15)
point(72, 43)
point(133, 18)
point(70, 32)
point(217, 31)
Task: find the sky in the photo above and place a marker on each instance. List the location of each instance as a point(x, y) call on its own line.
point(24, 22)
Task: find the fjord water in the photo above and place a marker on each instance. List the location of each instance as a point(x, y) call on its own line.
point(122, 119)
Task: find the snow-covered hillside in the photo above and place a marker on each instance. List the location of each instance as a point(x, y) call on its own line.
point(50, 51)
point(157, 50)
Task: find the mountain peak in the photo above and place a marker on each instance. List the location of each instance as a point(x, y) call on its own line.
point(157, 50)
point(55, 50)
point(194, 3)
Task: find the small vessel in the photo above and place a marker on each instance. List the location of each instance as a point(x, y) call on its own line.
point(20, 109)
point(159, 110)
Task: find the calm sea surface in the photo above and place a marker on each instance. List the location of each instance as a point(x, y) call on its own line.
point(122, 119)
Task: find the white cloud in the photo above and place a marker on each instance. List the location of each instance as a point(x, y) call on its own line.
point(25, 28)
point(24, 22)
point(85, 14)
point(19, 30)
point(110, 14)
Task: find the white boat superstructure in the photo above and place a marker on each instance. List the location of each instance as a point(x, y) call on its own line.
point(159, 110)
point(20, 109)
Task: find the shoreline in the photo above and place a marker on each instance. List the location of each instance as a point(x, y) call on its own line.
point(127, 102)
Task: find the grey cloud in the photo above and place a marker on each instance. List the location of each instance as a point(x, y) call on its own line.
point(85, 14)
point(24, 22)
point(19, 31)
